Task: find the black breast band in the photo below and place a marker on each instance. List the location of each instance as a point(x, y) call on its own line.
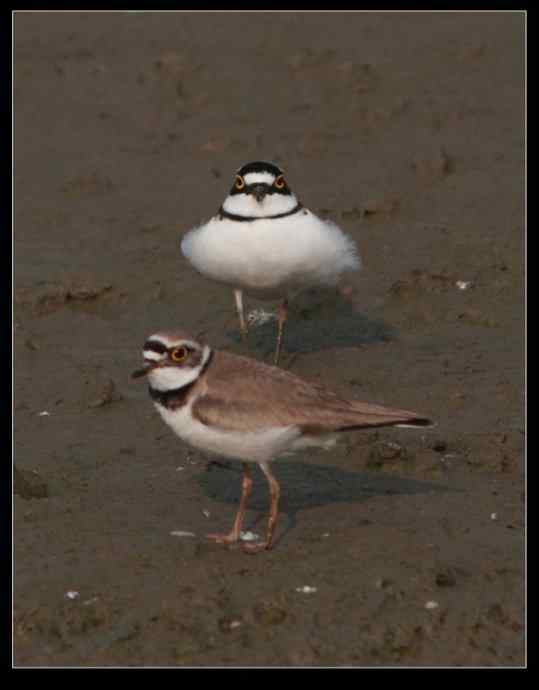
point(241, 219)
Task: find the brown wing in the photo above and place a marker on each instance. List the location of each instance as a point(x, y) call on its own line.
point(245, 395)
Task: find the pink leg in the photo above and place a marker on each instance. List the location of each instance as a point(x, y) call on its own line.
point(238, 295)
point(275, 492)
point(234, 535)
point(282, 313)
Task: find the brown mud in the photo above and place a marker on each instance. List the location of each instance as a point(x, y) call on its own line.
point(407, 130)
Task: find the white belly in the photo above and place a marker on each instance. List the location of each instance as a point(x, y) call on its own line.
point(256, 446)
point(279, 255)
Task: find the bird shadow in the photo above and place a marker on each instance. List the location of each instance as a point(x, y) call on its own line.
point(318, 320)
point(305, 486)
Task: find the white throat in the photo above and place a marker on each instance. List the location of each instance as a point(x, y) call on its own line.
point(271, 205)
point(170, 377)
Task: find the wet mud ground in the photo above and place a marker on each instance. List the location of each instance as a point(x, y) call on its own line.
point(407, 130)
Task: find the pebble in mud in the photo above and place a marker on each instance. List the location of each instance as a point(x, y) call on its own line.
point(472, 51)
point(439, 446)
point(269, 613)
point(437, 164)
point(384, 206)
point(107, 395)
point(386, 452)
point(446, 578)
point(384, 584)
point(229, 624)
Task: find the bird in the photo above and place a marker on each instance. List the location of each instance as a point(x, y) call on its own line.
point(246, 410)
point(264, 242)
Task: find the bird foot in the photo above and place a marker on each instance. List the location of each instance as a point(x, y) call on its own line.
point(226, 539)
point(255, 548)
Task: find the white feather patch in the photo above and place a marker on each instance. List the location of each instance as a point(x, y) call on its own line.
point(152, 355)
point(271, 204)
point(259, 178)
point(254, 446)
point(168, 378)
point(297, 251)
point(170, 341)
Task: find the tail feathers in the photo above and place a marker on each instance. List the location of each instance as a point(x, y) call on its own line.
point(417, 423)
point(365, 415)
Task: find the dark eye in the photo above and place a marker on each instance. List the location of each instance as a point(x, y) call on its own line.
point(279, 182)
point(178, 354)
point(240, 182)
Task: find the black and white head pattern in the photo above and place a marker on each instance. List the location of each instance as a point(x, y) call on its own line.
point(173, 361)
point(260, 190)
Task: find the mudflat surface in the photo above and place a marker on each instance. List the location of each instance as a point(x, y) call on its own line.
point(407, 130)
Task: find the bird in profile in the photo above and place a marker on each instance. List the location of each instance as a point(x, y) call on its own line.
point(245, 410)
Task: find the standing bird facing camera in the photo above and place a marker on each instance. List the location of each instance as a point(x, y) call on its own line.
point(264, 242)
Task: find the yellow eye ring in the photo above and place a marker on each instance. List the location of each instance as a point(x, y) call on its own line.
point(240, 182)
point(178, 354)
point(279, 182)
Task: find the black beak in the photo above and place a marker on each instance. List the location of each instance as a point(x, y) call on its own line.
point(144, 371)
point(259, 191)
